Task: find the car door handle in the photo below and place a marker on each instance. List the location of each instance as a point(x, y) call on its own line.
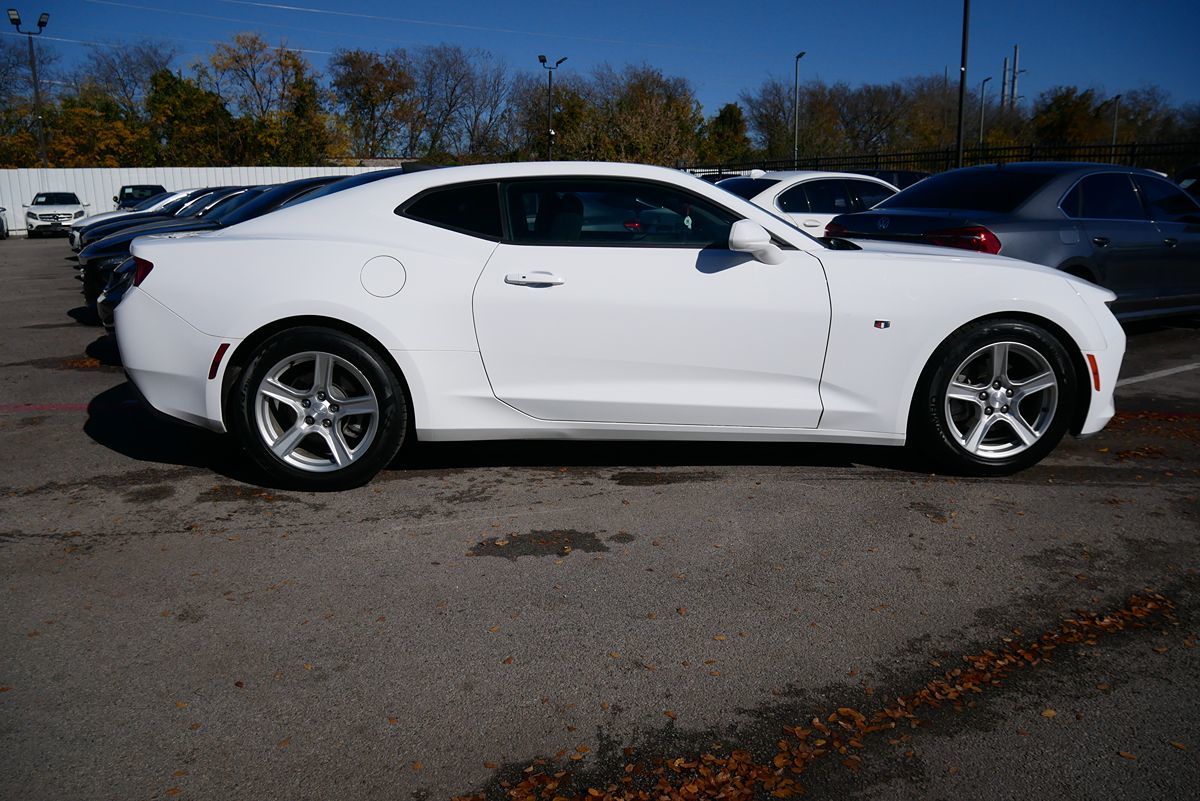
point(812, 223)
point(1170, 242)
point(533, 278)
point(1100, 241)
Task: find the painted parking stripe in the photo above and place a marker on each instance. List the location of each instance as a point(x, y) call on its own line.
point(1137, 379)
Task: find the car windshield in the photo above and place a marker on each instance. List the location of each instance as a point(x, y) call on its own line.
point(150, 201)
point(56, 199)
point(996, 190)
point(747, 187)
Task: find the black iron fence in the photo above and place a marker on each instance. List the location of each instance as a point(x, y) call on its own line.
point(1168, 157)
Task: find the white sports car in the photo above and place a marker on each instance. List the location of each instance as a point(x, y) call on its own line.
point(810, 198)
point(600, 301)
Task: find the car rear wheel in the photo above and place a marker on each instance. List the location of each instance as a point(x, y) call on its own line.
point(995, 399)
point(318, 409)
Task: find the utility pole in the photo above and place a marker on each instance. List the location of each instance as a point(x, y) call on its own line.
point(550, 103)
point(982, 94)
point(15, 18)
point(962, 79)
point(1012, 91)
point(796, 112)
point(1004, 86)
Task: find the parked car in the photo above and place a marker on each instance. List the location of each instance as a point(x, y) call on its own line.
point(1126, 229)
point(52, 213)
point(131, 195)
point(1189, 179)
point(327, 335)
point(149, 204)
point(3, 224)
point(190, 204)
point(808, 198)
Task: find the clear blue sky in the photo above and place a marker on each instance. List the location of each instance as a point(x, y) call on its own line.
point(721, 47)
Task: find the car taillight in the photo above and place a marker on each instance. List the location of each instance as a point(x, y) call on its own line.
point(970, 237)
point(833, 229)
point(141, 268)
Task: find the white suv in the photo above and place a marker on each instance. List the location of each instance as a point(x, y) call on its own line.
point(52, 212)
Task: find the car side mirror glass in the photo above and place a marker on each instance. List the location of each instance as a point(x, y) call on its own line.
point(747, 236)
point(115, 199)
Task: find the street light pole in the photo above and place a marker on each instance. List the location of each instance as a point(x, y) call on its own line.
point(962, 79)
point(796, 112)
point(550, 103)
point(1116, 111)
point(15, 18)
point(982, 94)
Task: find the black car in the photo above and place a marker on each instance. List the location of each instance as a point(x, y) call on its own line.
point(131, 195)
point(189, 204)
point(1124, 228)
point(99, 259)
point(1189, 179)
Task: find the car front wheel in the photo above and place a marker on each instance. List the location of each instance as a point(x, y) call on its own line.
point(995, 400)
point(318, 409)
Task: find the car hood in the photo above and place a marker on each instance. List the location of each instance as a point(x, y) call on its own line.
point(97, 218)
point(68, 209)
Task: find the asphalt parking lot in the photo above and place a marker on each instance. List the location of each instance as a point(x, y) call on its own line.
point(173, 629)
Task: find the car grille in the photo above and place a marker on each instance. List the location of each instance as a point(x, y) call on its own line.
point(54, 217)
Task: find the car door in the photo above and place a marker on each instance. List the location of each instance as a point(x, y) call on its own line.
point(1125, 244)
point(617, 301)
point(812, 204)
point(1177, 217)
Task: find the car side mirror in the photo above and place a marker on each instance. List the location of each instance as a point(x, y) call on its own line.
point(747, 236)
point(85, 204)
point(115, 200)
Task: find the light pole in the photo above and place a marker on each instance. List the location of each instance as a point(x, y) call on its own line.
point(15, 18)
point(1116, 111)
point(962, 79)
point(550, 103)
point(982, 94)
point(796, 112)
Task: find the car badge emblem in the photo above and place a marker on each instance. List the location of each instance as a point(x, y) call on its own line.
point(882, 223)
point(883, 323)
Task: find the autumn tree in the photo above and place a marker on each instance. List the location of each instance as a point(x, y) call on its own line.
point(1066, 115)
point(725, 138)
point(189, 124)
point(124, 73)
point(373, 98)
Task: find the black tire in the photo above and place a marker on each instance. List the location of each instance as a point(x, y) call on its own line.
point(392, 419)
point(940, 429)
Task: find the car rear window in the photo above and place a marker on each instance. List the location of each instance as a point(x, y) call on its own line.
point(747, 187)
point(469, 209)
point(976, 190)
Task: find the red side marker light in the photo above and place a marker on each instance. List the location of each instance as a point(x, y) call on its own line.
point(141, 268)
point(1095, 371)
point(216, 362)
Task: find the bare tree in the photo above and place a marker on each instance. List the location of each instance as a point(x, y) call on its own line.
point(124, 73)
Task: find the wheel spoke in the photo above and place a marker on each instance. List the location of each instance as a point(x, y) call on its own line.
point(337, 445)
point(1000, 361)
point(322, 372)
point(286, 395)
point(288, 441)
point(1023, 430)
point(975, 438)
point(964, 392)
point(1038, 383)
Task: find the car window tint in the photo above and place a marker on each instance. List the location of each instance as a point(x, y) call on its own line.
point(1107, 196)
point(598, 211)
point(869, 193)
point(1164, 201)
point(747, 187)
point(793, 201)
point(56, 199)
point(971, 189)
point(827, 197)
point(471, 209)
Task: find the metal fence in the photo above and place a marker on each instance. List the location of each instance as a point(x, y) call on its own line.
point(1168, 157)
point(97, 186)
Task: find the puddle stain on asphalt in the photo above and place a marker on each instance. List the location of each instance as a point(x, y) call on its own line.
point(150, 494)
point(553, 542)
point(85, 363)
point(841, 734)
point(930, 512)
point(250, 496)
point(653, 478)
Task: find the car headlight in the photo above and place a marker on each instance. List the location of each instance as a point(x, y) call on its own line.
point(79, 214)
point(29, 215)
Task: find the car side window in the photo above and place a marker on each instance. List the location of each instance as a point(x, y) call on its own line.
point(868, 193)
point(1104, 196)
point(827, 197)
point(599, 211)
point(1166, 202)
point(468, 208)
point(793, 201)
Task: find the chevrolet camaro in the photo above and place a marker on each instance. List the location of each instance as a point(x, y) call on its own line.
point(600, 301)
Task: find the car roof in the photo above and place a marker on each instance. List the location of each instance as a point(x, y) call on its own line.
point(798, 175)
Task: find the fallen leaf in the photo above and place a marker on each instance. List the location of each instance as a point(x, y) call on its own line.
point(393, 721)
point(284, 743)
point(682, 610)
point(494, 629)
point(1126, 755)
point(179, 774)
point(417, 766)
point(194, 726)
point(507, 661)
point(490, 765)
point(308, 666)
point(582, 748)
point(1103, 687)
point(669, 713)
point(651, 615)
point(719, 638)
point(181, 704)
point(614, 654)
point(5, 689)
point(1180, 746)
point(1049, 713)
point(173, 791)
point(1160, 649)
point(239, 684)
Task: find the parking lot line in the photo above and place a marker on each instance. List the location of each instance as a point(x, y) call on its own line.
point(1137, 379)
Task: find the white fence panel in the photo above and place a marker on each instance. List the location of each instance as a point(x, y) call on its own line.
point(98, 186)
